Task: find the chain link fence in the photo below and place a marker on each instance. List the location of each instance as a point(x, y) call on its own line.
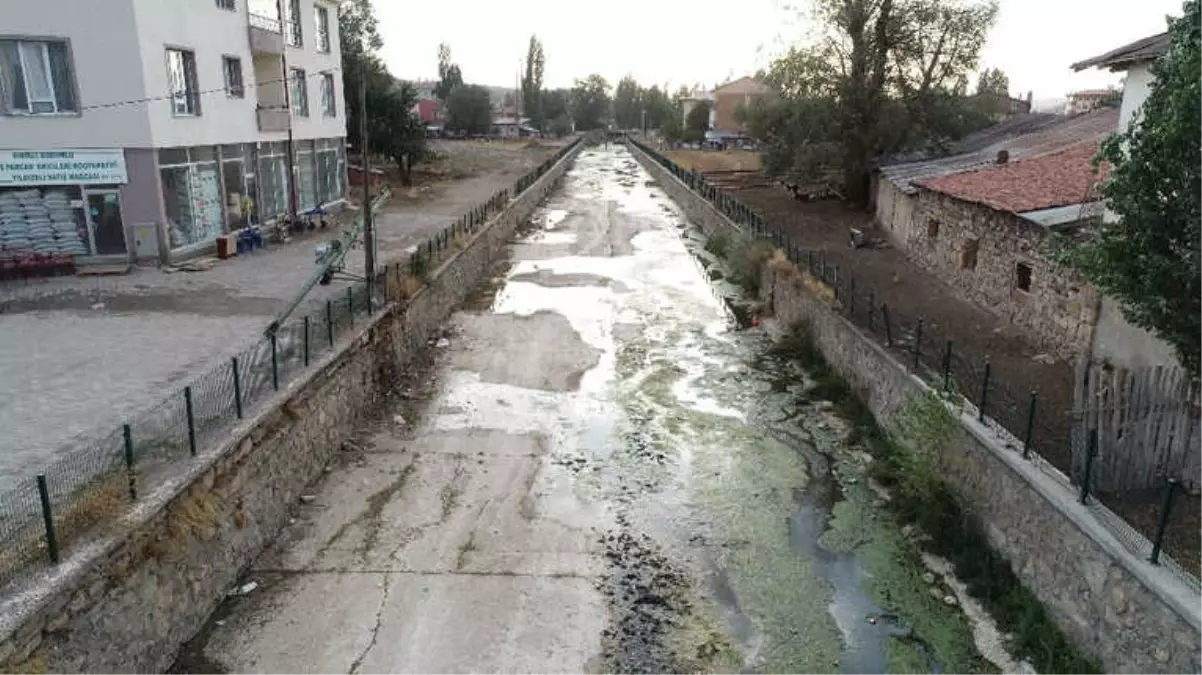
point(1038, 432)
point(84, 493)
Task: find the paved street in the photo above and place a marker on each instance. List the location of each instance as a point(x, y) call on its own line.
point(80, 355)
point(599, 475)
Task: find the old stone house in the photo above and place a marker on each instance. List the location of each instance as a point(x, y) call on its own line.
point(985, 232)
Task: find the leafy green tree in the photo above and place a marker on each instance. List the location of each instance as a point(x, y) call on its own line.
point(993, 81)
point(556, 103)
point(1148, 258)
point(697, 122)
point(393, 129)
point(449, 75)
point(469, 110)
point(590, 103)
point(880, 76)
point(659, 107)
point(532, 83)
point(628, 104)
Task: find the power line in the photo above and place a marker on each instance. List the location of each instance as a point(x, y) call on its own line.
point(206, 92)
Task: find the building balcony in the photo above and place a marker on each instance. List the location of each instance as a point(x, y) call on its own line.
point(266, 35)
point(273, 119)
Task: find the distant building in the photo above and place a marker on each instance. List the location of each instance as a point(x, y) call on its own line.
point(1080, 102)
point(728, 98)
point(513, 127)
point(429, 110)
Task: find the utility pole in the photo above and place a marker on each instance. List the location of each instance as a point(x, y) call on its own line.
point(369, 235)
point(287, 82)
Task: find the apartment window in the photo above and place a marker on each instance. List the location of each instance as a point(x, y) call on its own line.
point(292, 23)
point(322, 16)
point(227, 4)
point(233, 76)
point(181, 71)
point(328, 107)
point(299, 93)
point(1022, 277)
point(36, 78)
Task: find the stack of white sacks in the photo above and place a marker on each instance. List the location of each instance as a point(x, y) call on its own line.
point(30, 221)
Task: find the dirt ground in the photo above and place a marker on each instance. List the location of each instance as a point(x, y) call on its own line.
point(714, 160)
point(884, 276)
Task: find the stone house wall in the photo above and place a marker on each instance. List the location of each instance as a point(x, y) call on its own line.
point(1059, 310)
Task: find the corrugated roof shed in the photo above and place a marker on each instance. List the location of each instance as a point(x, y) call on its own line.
point(1057, 179)
point(1046, 138)
point(1146, 49)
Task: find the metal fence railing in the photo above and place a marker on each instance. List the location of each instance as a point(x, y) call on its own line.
point(89, 487)
point(935, 356)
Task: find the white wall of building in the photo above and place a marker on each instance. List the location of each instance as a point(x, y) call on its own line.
point(1116, 340)
point(1135, 92)
point(314, 62)
point(107, 65)
point(210, 33)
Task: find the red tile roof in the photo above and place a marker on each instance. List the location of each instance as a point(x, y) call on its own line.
point(1056, 179)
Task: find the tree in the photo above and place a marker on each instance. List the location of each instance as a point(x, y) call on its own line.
point(393, 129)
point(993, 81)
point(469, 110)
point(628, 104)
point(659, 107)
point(556, 111)
point(697, 122)
point(590, 103)
point(449, 75)
point(1148, 258)
point(879, 76)
point(532, 83)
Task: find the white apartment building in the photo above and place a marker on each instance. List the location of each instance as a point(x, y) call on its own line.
point(148, 128)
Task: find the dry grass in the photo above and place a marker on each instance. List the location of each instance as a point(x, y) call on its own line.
point(715, 160)
point(103, 500)
point(406, 288)
point(460, 242)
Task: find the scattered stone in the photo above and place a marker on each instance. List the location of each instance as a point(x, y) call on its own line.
point(935, 592)
point(220, 622)
point(99, 305)
point(308, 499)
point(399, 419)
point(245, 588)
point(949, 600)
point(1046, 359)
point(351, 446)
point(927, 577)
point(442, 343)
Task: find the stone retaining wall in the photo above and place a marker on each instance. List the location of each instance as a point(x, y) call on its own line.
point(128, 602)
point(1132, 615)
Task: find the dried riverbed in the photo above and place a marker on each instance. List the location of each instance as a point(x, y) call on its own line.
point(605, 474)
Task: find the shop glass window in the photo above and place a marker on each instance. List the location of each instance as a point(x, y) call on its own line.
point(43, 220)
point(36, 78)
point(192, 196)
point(299, 93)
point(231, 5)
point(181, 71)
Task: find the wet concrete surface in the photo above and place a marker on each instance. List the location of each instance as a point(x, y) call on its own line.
point(601, 472)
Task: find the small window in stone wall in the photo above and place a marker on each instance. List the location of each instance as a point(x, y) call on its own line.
point(1022, 276)
point(932, 229)
point(968, 254)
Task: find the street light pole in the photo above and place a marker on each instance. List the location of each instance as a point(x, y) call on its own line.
point(369, 235)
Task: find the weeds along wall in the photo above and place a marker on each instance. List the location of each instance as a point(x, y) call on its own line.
point(127, 601)
point(1115, 606)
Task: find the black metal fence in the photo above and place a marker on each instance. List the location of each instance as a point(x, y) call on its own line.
point(88, 488)
point(935, 357)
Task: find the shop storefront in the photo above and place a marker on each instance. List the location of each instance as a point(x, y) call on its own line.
point(209, 191)
point(62, 204)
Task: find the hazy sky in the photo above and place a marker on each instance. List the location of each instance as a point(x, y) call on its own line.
point(684, 41)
